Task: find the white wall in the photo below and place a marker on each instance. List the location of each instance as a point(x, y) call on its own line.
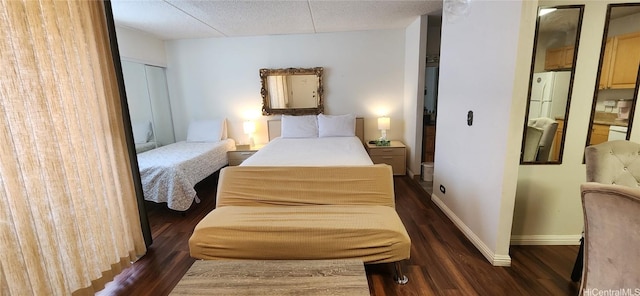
point(483, 68)
point(414, 65)
point(548, 208)
point(140, 47)
point(218, 77)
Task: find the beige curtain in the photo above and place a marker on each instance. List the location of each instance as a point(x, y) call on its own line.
point(278, 91)
point(68, 214)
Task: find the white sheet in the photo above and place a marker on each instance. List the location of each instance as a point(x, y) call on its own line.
point(330, 151)
point(169, 173)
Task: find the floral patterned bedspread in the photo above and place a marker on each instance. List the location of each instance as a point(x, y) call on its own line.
point(169, 173)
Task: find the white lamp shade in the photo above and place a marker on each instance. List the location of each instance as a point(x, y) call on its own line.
point(249, 127)
point(384, 123)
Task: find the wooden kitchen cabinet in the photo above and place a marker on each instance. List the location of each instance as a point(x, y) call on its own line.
point(567, 57)
point(554, 59)
point(429, 143)
point(559, 58)
point(606, 65)
point(557, 141)
point(620, 62)
point(625, 60)
point(599, 134)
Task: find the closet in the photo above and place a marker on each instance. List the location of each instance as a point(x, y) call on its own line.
point(149, 105)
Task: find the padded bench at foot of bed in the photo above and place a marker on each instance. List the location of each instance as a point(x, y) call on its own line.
point(374, 234)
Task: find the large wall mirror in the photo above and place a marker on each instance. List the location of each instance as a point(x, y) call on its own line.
point(292, 91)
point(615, 94)
point(551, 83)
point(149, 106)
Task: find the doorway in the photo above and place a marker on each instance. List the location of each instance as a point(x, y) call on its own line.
point(434, 24)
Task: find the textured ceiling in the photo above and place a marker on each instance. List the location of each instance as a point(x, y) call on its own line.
point(566, 19)
point(182, 19)
point(561, 20)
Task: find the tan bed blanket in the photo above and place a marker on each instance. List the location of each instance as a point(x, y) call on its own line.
point(292, 186)
point(372, 233)
point(303, 213)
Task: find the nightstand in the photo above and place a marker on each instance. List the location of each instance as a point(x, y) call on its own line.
point(236, 157)
point(394, 155)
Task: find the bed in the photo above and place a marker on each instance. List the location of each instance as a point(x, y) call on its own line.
point(311, 193)
point(169, 173)
point(262, 213)
point(329, 150)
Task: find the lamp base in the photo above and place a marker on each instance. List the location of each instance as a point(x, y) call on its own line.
point(383, 142)
point(243, 146)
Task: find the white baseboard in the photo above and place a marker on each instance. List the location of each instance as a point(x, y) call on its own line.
point(551, 240)
point(494, 259)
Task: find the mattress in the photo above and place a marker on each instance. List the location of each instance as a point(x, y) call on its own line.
point(301, 233)
point(329, 151)
point(170, 172)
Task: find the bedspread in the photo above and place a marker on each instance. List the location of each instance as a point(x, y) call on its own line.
point(170, 172)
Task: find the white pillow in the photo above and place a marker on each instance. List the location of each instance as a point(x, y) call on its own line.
point(304, 126)
point(142, 132)
point(224, 130)
point(206, 130)
point(336, 125)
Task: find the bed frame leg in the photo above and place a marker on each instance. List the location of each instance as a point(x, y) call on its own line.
point(399, 277)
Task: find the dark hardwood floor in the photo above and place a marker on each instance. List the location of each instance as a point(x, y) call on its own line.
point(443, 261)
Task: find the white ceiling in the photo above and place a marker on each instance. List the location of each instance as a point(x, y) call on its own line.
point(566, 19)
point(182, 19)
point(561, 20)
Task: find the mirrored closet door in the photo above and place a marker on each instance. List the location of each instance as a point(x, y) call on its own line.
point(149, 106)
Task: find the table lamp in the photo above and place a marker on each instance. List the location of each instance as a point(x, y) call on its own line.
point(249, 128)
point(384, 123)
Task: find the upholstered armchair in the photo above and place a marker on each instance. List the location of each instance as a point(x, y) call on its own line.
point(614, 162)
point(532, 143)
point(548, 127)
point(615, 165)
point(612, 238)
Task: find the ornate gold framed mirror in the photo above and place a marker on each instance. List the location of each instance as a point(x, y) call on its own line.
point(292, 91)
point(616, 92)
point(551, 83)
